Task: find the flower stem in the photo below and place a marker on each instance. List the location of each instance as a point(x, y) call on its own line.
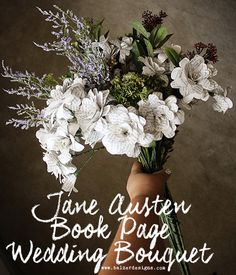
point(153, 159)
point(88, 151)
point(92, 152)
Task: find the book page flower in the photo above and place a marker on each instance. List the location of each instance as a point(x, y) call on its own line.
point(109, 50)
point(163, 58)
point(64, 100)
point(221, 102)
point(55, 108)
point(93, 109)
point(74, 94)
point(161, 116)
point(193, 79)
point(152, 66)
point(63, 141)
point(124, 132)
point(124, 47)
point(44, 133)
point(58, 139)
point(58, 166)
point(68, 183)
point(60, 143)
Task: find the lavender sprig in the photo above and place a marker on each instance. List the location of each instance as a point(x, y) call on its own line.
point(66, 25)
point(74, 40)
point(32, 86)
point(31, 116)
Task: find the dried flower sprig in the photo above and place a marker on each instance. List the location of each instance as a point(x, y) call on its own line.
point(31, 116)
point(208, 52)
point(31, 85)
point(150, 21)
point(74, 41)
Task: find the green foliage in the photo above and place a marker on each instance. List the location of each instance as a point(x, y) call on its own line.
point(173, 56)
point(129, 89)
point(162, 42)
point(96, 30)
point(142, 45)
point(67, 75)
point(161, 33)
point(159, 36)
point(149, 47)
point(139, 28)
point(49, 80)
point(145, 42)
point(153, 35)
point(132, 87)
point(154, 83)
point(135, 50)
point(154, 157)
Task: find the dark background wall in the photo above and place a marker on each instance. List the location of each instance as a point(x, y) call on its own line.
point(203, 161)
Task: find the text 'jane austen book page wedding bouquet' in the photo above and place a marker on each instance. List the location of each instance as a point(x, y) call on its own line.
point(127, 96)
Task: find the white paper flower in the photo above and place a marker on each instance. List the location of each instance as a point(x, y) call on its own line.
point(93, 109)
point(45, 133)
point(59, 139)
point(161, 116)
point(212, 70)
point(124, 47)
point(152, 66)
point(65, 100)
point(193, 79)
point(163, 58)
point(107, 48)
point(74, 94)
point(60, 143)
point(221, 102)
point(68, 183)
point(56, 108)
point(63, 141)
point(124, 132)
point(57, 166)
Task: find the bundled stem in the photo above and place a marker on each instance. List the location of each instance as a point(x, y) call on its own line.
point(153, 159)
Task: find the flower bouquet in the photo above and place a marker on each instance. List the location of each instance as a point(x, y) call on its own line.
point(128, 95)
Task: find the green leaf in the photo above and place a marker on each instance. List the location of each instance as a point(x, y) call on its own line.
point(49, 80)
point(97, 32)
point(164, 40)
point(161, 34)
point(135, 50)
point(138, 49)
point(153, 35)
point(173, 56)
point(149, 47)
point(139, 28)
point(96, 29)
